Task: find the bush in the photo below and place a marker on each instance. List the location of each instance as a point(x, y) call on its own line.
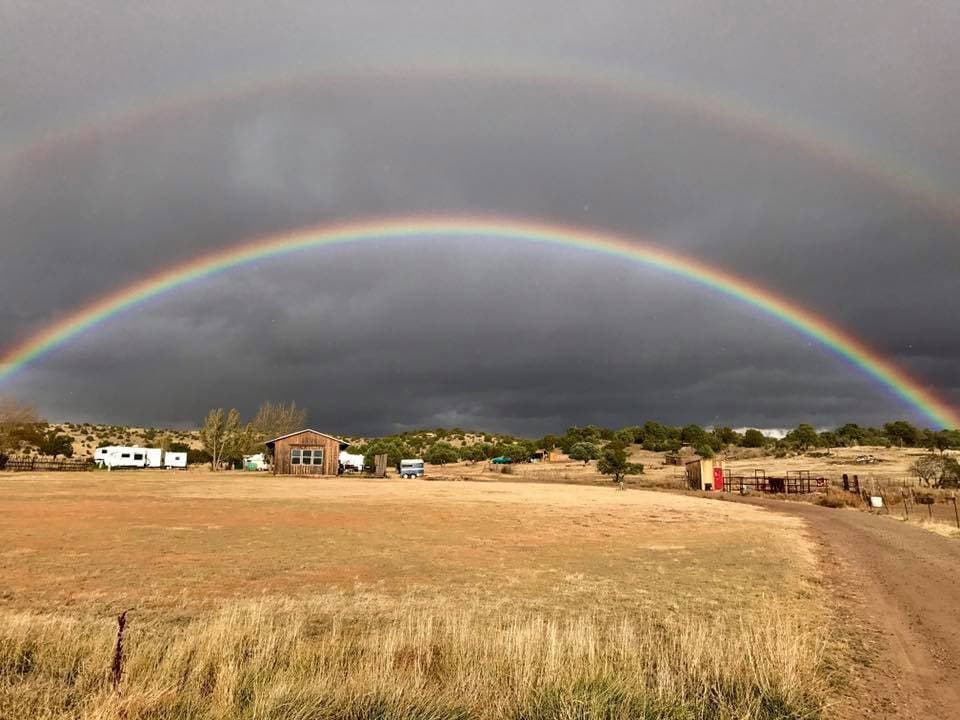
point(839, 499)
point(441, 453)
point(584, 451)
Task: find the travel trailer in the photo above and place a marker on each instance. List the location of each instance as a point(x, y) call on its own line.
point(175, 460)
point(411, 468)
point(119, 456)
point(256, 463)
point(351, 463)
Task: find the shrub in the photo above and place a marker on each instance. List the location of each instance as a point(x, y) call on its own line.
point(838, 498)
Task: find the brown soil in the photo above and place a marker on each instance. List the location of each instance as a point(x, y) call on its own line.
point(901, 584)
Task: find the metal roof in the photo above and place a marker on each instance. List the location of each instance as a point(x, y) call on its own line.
point(307, 430)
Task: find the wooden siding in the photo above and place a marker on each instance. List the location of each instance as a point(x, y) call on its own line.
point(306, 440)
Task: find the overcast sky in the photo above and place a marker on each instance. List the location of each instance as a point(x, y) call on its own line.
point(133, 138)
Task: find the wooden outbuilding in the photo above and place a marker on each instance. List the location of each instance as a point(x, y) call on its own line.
point(703, 474)
point(306, 452)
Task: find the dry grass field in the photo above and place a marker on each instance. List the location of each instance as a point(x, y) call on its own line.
point(256, 597)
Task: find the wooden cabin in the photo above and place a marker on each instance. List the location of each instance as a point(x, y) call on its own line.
point(306, 452)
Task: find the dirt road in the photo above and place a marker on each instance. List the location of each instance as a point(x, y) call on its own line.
point(902, 584)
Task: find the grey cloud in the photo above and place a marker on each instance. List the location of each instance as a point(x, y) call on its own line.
point(476, 331)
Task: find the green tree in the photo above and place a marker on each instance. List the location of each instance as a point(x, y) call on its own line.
point(727, 436)
point(519, 451)
point(472, 453)
point(828, 439)
point(655, 436)
point(693, 435)
point(705, 451)
point(851, 435)
point(441, 453)
point(804, 436)
point(950, 477)
point(585, 451)
point(394, 448)
point(613, 461)
point(902, 433)
point(54, 444)
point(754, 439)
point(549, 442)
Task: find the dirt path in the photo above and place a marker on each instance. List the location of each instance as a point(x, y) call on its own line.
point(902, 584)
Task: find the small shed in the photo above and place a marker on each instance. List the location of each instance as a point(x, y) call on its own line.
point(306, 452)
point(703, 474)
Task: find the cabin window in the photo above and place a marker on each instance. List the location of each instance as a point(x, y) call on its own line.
point(138, 456)
point(299, 456)
point(124, 455)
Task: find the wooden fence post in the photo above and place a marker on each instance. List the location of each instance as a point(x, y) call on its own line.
point(118, 651)
point(956, 514)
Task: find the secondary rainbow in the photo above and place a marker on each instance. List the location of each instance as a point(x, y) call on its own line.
point(397, 228)
point(845, 152)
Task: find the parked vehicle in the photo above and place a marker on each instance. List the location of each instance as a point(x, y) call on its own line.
point(351, 463)
point(175, 460)
point(502, 460)
point(256, 463)
point(121, 456)
point(411, 468)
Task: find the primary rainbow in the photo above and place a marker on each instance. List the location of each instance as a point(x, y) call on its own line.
point(808, 323)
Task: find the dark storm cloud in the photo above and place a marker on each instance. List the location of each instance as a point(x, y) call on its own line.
point(474, 332)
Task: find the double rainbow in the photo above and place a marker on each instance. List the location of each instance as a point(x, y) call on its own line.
point(827, 334)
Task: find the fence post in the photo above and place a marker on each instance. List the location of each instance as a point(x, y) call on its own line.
point(118, 651)
point(956, 514)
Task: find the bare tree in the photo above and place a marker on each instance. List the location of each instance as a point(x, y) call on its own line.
point(926, 469)
point(276, 419)
point(16, 420)
point(222, 435)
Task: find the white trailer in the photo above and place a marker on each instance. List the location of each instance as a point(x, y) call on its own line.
point(154, 457)
point(122, 456)
point(125, 457)
point(351, 462)
point(256, 463)
point(100, 455)
point(175, 460)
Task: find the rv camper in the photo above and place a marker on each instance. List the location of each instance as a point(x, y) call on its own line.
point(351, 463)
point(121, 457)
point(175, 460)
point(255, 463)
